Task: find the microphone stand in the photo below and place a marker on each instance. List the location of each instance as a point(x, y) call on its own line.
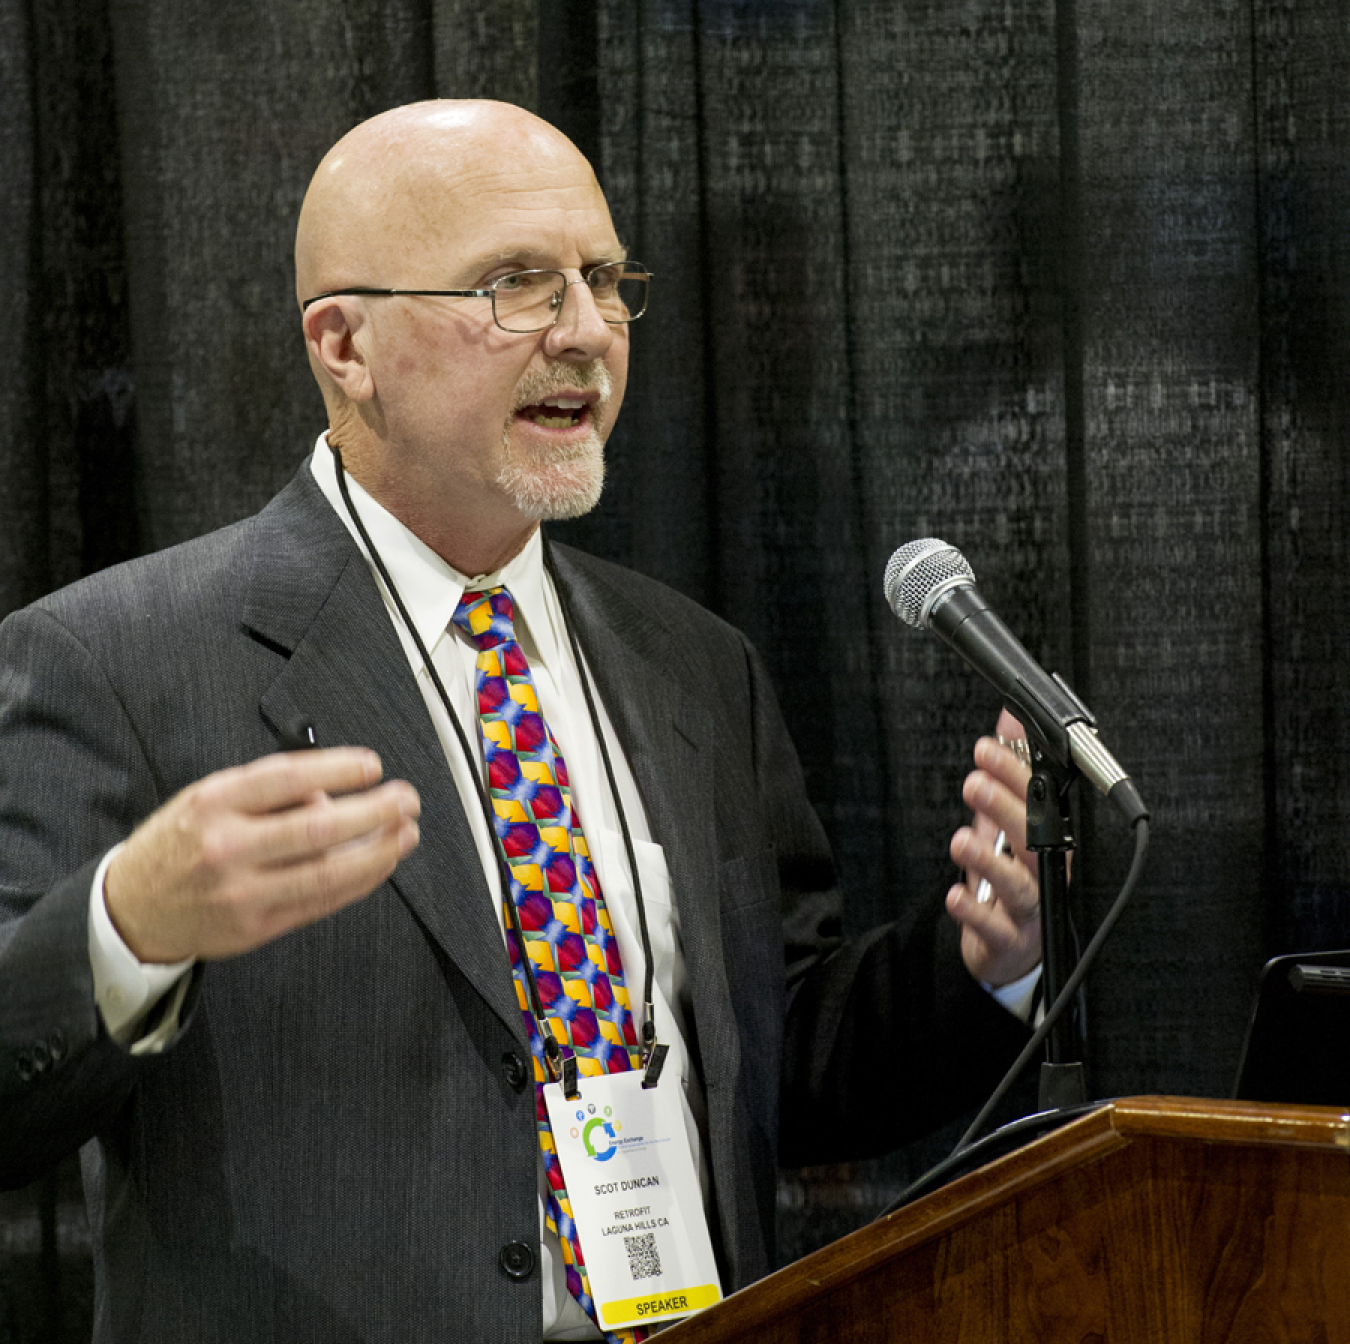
point(1050, 838)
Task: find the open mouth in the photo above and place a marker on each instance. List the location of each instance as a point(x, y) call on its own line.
point(556, 412)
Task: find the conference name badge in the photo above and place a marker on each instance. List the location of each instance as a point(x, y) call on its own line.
point(635, 1198)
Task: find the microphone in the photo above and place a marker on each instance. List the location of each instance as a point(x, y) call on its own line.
point(930, 586)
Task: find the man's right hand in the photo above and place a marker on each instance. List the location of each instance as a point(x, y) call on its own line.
point(247, 854)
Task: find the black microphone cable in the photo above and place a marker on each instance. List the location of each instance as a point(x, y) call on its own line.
point(930, 585)
point(967, 1148)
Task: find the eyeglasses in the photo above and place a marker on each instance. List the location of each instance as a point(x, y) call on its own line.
point(526, 301)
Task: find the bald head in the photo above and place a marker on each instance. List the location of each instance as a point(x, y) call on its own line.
point(385, 193)
point(466, 430)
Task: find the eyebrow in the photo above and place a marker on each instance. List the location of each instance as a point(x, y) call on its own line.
point(528, 259)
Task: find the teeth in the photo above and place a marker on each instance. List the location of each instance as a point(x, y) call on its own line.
point(554, 421)
point(564, 403)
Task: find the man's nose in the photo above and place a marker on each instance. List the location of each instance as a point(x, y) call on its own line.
point(580, 332)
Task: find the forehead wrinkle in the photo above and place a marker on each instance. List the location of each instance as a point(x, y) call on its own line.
point(534, 220)
point(530, 258)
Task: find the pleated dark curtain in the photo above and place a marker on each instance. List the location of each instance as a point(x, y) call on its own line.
point(1064, 283)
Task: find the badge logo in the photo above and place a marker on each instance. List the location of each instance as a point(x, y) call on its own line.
point(605, 1152)
point(599, 1134)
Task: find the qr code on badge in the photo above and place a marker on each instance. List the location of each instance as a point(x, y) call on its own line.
point(644, 1261)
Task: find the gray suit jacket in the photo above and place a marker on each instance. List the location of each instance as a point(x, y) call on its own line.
point(340, 1143)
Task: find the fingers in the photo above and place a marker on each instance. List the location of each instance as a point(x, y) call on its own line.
point(262, 904)
point(249, 853)
point(289, 778)
point(1009, 728)
point(1006, 755)
point(996, 948)
point(1012, 880)
point(998, 800)
point(1000, 934)
point(1001, 937)
point(313, 825)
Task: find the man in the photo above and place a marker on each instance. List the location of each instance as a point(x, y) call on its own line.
point(285, 1031)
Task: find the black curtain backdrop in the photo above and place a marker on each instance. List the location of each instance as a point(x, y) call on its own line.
point(1064, 282)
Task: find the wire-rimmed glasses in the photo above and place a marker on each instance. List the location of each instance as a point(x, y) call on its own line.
point(527, 301)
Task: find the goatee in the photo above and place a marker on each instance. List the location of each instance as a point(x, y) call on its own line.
point(563, 480)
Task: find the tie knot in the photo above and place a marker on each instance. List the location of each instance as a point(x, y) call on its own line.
point(487, 618)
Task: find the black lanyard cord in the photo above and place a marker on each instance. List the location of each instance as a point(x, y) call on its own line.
point(648, 1008)
point(560, 1059)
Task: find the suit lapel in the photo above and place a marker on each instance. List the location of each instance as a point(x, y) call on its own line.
point(312, 596)
point(667, 737)
point(669, 740)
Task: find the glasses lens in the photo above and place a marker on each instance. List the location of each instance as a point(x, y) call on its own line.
point(527, 300)
point(620, 291)
point(531, 300)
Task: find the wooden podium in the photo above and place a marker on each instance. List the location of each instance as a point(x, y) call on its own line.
point(1153, 1220)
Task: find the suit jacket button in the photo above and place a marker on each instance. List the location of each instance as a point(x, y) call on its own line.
point(23, 1062)
point(513, 1068)
point(56, 1043)
point(516, 1260)
point(42, 1057)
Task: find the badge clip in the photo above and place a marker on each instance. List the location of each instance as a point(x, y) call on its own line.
point(562, 1067)
point(656, 1061)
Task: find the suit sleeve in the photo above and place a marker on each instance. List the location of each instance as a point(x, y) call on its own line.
point(73, 781)
point(887, 1035)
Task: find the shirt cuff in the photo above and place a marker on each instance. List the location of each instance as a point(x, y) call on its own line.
point(1019, 996)
point(126, 989)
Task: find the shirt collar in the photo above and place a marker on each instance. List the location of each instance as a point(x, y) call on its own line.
point(431, 588)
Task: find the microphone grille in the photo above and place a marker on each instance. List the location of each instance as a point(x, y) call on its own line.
point(919, 573)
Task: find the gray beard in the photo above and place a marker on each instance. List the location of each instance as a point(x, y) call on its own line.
point(555, 489)
point(559, 485)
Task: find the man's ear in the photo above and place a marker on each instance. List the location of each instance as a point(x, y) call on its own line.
point(331, 328)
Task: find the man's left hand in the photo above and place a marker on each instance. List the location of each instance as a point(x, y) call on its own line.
point(1000, 939)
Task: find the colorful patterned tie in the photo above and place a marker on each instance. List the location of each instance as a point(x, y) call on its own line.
point(568, 935)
